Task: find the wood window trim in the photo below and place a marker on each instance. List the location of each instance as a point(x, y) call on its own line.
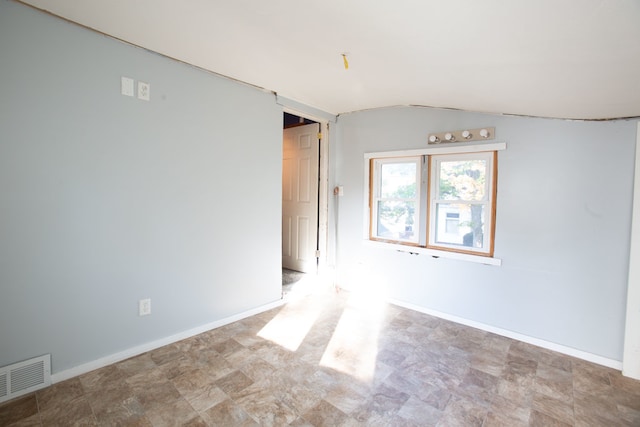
point(373, 187)
point(491, 204)
point(435, 251)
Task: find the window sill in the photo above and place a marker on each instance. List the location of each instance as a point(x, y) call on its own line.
point(434, 253)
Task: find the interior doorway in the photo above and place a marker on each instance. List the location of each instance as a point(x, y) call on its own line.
point(304, 195)
point(300, 182)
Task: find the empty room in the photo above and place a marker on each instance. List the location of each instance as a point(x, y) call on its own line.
point(410, 213)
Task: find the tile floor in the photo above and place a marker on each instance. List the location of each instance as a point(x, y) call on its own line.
point(291, 280)
point(339, 359)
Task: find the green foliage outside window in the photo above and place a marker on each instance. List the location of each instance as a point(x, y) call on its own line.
point(465, 181)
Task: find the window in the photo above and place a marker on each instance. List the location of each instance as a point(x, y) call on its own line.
point(396, 198)
point(454, 211)
point(461, 190)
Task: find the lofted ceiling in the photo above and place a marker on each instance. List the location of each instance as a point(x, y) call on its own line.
point(576, 59)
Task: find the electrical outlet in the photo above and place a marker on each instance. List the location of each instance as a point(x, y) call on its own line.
point(144, 90)
point(144, 307)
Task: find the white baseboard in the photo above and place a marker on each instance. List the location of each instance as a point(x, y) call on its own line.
point(143, 348)
point(590, 357)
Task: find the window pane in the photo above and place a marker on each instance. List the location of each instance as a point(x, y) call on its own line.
point(462, 180)
point(396, 220)
point(398, 180)
point(460, 224)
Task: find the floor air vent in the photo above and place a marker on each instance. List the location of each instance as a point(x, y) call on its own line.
point(25, 377)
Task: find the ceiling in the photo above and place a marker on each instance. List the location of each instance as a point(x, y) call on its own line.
point(576, 59)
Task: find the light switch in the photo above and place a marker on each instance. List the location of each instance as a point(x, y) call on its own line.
point(126, 86)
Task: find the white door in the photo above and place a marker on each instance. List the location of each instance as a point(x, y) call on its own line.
point(300, 197)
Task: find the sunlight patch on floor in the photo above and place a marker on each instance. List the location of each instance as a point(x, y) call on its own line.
point(353, 348)
point(294, 321)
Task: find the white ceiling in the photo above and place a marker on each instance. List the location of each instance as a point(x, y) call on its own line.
point(551, 58)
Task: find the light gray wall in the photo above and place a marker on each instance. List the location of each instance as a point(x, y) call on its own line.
point(562, 226)
point(106, 199)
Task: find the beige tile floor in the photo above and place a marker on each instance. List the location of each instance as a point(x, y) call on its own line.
point(339, 359)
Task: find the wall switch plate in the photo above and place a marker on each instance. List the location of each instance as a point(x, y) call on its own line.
point(144, 91)
point(144, 307)
point(340, 190)
point(126, 86)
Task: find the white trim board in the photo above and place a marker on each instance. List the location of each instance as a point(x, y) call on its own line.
point(440, 149)
point(590, 357)
point(434, 253)
point(303, 110)
point(631, 355)
point(135, 351)
point(143, 348)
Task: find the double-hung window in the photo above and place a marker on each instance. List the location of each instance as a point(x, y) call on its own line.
point(453, 211)
point(396, 199)
point(462, 202)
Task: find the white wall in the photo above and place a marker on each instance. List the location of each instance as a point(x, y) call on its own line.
point(106, 199)
point(562, 227)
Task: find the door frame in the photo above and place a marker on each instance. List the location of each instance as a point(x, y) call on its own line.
point(631, 351)
point(323, 188)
